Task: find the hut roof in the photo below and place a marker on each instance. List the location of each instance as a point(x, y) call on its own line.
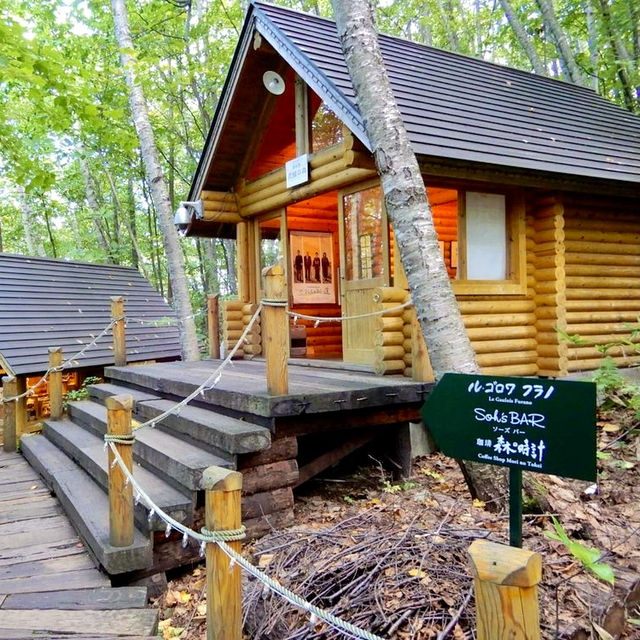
point(55, 303)
point(456, 108)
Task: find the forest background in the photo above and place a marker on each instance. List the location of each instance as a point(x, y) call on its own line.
point(72, 178)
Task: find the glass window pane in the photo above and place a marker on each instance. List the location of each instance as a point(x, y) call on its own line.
point(270, 243)
point(363, 234)
point(444, 208)
point(326, 129)
point(486, 236)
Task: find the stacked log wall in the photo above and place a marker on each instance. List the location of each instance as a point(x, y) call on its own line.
point(268, 478)
point(602, 241)
point(390, 351)
point(325, 339)
point(546, 234)
point(232, 325)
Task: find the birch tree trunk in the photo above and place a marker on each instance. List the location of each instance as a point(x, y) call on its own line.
point(157, 184)
point(567, 59)
point(523, 39)
point(410, 213)
point(33, 242)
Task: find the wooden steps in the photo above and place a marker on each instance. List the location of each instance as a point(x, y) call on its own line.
point(49, 586)
point(86, 505)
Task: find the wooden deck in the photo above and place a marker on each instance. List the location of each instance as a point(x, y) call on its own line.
point(49, 586)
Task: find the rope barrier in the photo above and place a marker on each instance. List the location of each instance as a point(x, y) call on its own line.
point(215, 537)
point(319, 319)
point(120, 439)
point(210, 382)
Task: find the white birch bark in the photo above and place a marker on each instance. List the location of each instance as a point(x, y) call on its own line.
point(33, 242)
point(567, 59)
point(410, 214)
point(157, 184)
point(523, 39)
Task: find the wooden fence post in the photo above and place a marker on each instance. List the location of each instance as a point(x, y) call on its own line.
point(275, 331)
point(421, 369)
point(55, 383)
point(224, 584)
point(119, 339)
point(213, 326)
point(120, 492)
point(15, 412)
point(505, 581)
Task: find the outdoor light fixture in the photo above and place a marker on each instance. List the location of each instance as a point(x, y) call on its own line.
point(273, 82)
point(184, 214)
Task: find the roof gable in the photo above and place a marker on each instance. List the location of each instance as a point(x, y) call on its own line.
point(54, 303)
point(455, 108)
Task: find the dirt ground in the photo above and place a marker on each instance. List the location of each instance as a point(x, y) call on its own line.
point(392, 558)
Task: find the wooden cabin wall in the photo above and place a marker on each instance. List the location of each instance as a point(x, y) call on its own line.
point(546, 267)
point(602, 245)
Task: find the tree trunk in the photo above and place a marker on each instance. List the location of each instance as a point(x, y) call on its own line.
point(592, 42)
point(523, 39)
point(33, 242)
point(104, 241)
point(157, 184)
point(567, 59)
point(410, 214)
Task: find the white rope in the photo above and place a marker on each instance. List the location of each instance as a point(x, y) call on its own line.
point(72, 360)
point(210, 382)
point(319, 319)
point(236, 558)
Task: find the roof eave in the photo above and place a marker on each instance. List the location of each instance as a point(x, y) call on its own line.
point(344, 109)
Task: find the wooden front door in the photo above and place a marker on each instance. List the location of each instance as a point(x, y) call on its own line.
point(364, 259)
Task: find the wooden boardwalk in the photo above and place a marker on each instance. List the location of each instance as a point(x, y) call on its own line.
point(49, 586)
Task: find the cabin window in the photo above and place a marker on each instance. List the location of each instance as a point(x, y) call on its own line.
point(269, 242)
point(480, 235)
point(364, 238)
point(326, 129)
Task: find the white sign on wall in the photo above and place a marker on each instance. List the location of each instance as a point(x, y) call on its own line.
point(297, 171)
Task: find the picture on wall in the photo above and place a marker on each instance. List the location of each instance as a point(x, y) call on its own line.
point(312, 267)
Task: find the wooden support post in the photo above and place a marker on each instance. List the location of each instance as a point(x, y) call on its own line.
point(120, 492)
point(213, 326)
point(275, 331)
point(15, 412)
point(55, 383)
point(119, 340)
point(223, 488)
point(505, 581)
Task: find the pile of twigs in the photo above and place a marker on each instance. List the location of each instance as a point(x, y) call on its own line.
point(393, 578)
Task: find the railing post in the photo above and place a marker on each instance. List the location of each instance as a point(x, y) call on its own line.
point(213, 326)
point(505, 581)
point(119, 340)
point(120, 491)
point(55, 383)
point(275, 331)
point(421, 369)
point(15, 412)
point(223, 488)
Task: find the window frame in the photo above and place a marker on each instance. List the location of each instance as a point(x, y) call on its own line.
point(515, 283)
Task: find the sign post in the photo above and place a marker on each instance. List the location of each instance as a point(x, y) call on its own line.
point(546, 426)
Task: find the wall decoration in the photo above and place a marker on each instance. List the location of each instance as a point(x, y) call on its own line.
point(312, 267)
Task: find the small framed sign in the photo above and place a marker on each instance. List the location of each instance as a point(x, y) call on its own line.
point(297, 171)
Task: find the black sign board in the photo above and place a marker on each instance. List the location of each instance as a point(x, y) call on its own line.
point(547, 426)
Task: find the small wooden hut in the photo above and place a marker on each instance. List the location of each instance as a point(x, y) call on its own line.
point(48, 303)
point(533, 185)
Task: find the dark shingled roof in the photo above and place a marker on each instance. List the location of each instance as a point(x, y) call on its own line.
point(459, 108)
point(54, 303)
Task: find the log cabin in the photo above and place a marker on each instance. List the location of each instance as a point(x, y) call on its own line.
point(533, 186)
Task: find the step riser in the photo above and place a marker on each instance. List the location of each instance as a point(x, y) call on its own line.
point(100, 476)
point(183, 478)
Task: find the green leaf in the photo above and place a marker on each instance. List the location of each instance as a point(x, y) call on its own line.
point(603, 571)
